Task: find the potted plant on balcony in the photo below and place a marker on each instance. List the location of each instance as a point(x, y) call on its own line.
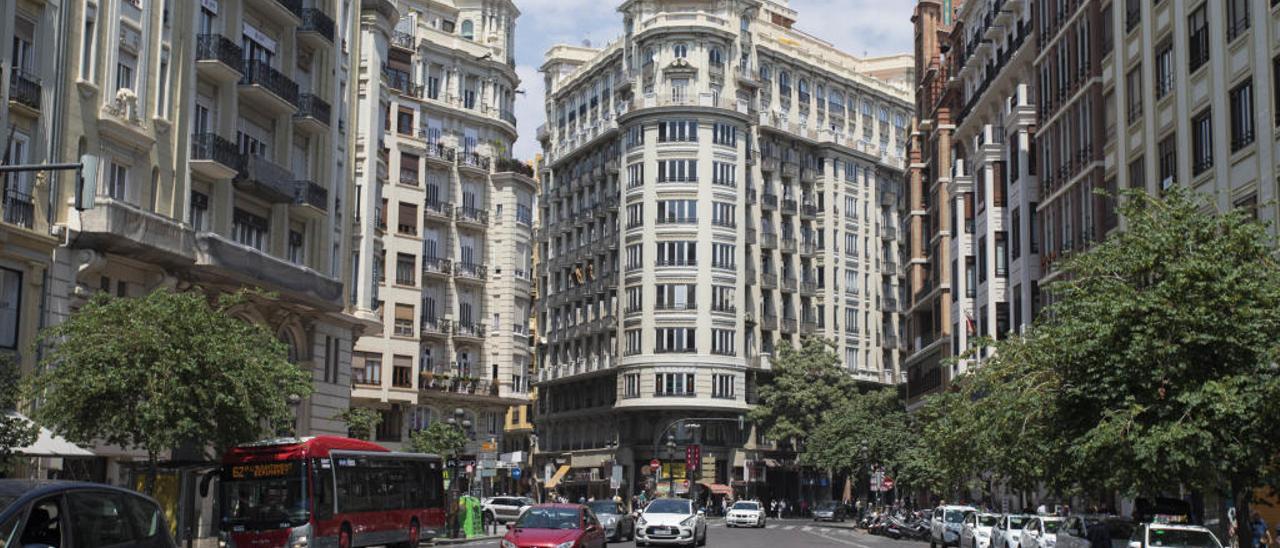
point(428, 379)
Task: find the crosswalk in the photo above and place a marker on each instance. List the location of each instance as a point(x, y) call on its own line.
point(801, 528)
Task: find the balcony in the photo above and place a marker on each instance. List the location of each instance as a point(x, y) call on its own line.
point(469, 331)
point(268, 88)
point(439, 153)
point(788, 245)
point(808, 327)
point(402, 40)
point(24, 91)
point(789, 206)
point(788, 326)
point(309, 195)
point(889, 342)
point(789, 284)
point(808, 248)
point(434, 328)
point(266, 180)
point(219, 58)
point(123, 229)
point(286, 12)
point(472, 216)
point(808, 211)
point(769, 202)
point(435, 267)
point(316, 28)
point(435, 210)
point(790, 169)
point(808, 288)
point(502, 165)
point(215, 157)
point(313, 115)
point(474, 161)
point(769, 322)
point(401, 82)
point(808, 175)
point(220, 261)
point(470, 272)
point(768, 240)
point(769, 280)
point(888, 233)
point(19, 208)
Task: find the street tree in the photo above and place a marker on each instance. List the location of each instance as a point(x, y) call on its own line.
point(438, 439)
point(15, 432)
point(164, 371)
point(863, 430)
point(806, 382)
point(361, 422)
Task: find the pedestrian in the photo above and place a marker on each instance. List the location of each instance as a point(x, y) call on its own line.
point(804, 507)
point(1261, 535)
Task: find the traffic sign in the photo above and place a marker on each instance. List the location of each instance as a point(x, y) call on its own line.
point(654, 464)
point(515, 473)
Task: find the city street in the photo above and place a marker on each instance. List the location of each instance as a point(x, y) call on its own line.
point(777, 534)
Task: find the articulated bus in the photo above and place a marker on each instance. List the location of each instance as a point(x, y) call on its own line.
point(329, 491)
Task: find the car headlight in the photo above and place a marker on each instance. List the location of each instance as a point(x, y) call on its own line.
point(983, 534)
point(640, 521)
point(563, 544)
point(300, 542)
point(508, 544)
point(689, 521)
point(611, 520)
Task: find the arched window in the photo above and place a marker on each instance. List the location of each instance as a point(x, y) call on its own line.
point(716, 57)
point(649, 55)
point(822, 95)
point(804, 90)
point(681, 50)
point(784, 82)
point(766, 73)
point(746, 23)
point(837, 101)
point(469, 30)
point(291, 344)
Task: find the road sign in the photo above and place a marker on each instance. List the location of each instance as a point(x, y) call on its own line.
point(693, 457)
point(547, 471)
point(487, 455)
point(515, 473)
point(654, 464)
point(488, 446)
point(887, 484)
point(615, 477)
point(470, 468)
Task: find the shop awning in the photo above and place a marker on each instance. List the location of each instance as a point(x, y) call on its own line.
point(48, 444)
point(559, 475)
point(717, 488)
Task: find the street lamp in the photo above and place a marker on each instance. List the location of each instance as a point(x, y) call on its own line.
point(671, 456)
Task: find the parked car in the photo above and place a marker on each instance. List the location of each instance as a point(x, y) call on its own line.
point(671, 521)
point(745, 513)
point(1082, 531)
point(1041, 532)
point(555, 525)
point(1157, 535)
point(1008, 530)
point(944, 525)
point(504, 509)
point(977, 528)
point(65, 514)
point(831, 511)
point(618, 524)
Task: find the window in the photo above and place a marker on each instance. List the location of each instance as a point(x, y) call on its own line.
point(1138, 173)
point(1134, 92)
point(10, 307)
point(635, 136)
point(678, 212)
point(635, 257)
point(1242, 115)
point(676, 297)
point(724, 214)
point(725, 134)
point(1164, 69)
point(1002, 255)
point(366, 368)
point(1168, 154)
point(676, 339)
point(633, 342)
point(1198, 30)
point(635, 175)
point(1275, 87)
point(1132, 14)
point(402, 371)
point(681, 50)
point(724, 173)
point(89, 39)
point(724, 256)
point(678, 131)
point(249, 229)
point(199, 211)
point(468, 30)
point(126, 65)
point(1015, 225)
point(296, 251)
point(162, 102)
point(97, 519)
point(678, 253)
point(722, 298)
point(1201, 142)
point(722, 343)
point(970, 277)
point(407, 223)
point(674, 384)
point(405, 268)
point(678, 171)
point(635, 215)
point(118, 181)
point(404, 320)
point(631, 385)
point(722, 386)
point(1237, 18)
point(635, 298)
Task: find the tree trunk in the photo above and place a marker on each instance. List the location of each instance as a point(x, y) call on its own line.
point(1244, 529)
point(152, 465)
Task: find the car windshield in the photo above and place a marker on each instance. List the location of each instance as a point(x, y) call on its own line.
point(743, 505)
point(988, 521)
point(954, 516)
point(1052, 526)
point(604, 507)
point(668, 506)
point(548, 518)
point(1182, 538)
point(264, 496)
point(1017, 522)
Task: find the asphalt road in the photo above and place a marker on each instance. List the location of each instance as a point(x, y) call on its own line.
point(778, 534)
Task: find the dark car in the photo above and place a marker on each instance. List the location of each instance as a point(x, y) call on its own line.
point(618, 524)
point(65, 514)
point(831, 511)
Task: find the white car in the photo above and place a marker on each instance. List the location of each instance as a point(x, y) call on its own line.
point(671, 521)
point(1040, 532)
point(504, 509)
point(977, 529)
point(944, 526)
point(745, 513)
point(1155, 535)
point(1008, 530)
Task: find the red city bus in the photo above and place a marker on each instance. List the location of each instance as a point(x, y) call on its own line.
point(329, 491)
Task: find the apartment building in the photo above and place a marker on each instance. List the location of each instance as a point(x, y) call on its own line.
point(221, 166)
point(29, 97)
point(443, 250)
point(717, 183)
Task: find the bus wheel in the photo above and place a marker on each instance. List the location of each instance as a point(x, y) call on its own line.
point(344, 538)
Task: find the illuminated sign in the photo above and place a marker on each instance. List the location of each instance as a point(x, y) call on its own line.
point(260, 471)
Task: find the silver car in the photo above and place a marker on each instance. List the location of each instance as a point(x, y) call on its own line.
point(619, 525)
point(1008, 530)
point(504, 509)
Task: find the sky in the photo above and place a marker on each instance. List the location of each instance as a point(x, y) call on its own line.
point(871, 27)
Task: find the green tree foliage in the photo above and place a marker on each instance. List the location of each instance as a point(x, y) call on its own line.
point(860, 431)
point(164, 371)
point(806, 383)
point(15, 432)
point(361, 422)
point(438, 439)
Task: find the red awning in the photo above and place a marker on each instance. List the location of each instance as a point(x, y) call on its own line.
point(717, 488)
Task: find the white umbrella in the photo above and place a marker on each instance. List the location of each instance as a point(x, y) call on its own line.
point(48, 444)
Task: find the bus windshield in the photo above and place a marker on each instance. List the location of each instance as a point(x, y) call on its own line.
point(264, 496)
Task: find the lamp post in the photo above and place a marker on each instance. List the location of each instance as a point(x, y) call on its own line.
point(456, 421)
point(671, 456)
point(612, 446)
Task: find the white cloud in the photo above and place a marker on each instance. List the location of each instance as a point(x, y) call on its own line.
point(873, 27)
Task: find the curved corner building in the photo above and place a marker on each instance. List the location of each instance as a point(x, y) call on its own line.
point(716, 184)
